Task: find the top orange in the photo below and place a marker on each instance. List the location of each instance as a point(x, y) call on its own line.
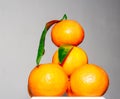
point(67, 32)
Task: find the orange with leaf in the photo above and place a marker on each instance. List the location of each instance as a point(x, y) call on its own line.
point(47, 79)
point(70, 57)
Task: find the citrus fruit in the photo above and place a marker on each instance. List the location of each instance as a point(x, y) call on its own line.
point(89, 80)
point(75, 58)
point(47, 80)
point(67, 32)
point(69, 91)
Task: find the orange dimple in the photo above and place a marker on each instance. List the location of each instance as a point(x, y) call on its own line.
point(89, 80)
point(47, 80)
point(67, 32)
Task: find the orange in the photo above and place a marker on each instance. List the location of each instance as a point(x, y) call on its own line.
point(69, 91)
point(89, 80)
point(47, 80)
point(76, 57)
point(67, 32)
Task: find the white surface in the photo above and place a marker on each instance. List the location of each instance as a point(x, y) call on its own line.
point(68, 98)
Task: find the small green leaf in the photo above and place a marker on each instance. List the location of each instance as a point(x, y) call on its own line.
point(63, 51)
point(64, 17)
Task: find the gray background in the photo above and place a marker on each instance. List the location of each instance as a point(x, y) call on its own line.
point(21, 24)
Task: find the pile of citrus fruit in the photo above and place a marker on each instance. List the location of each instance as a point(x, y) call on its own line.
point(69, 72)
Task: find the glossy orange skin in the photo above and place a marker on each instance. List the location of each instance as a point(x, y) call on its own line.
point(67, 32)
point(47, 80)
point(89, 80)
point(76, 58)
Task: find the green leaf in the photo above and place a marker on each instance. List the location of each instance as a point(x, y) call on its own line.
point(41, 48)
point(63, 51)
point(64, 17)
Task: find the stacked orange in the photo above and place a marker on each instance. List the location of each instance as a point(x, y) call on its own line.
point(85, 79)
point(69, 71)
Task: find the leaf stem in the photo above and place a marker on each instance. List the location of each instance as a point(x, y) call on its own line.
point(41, 48)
